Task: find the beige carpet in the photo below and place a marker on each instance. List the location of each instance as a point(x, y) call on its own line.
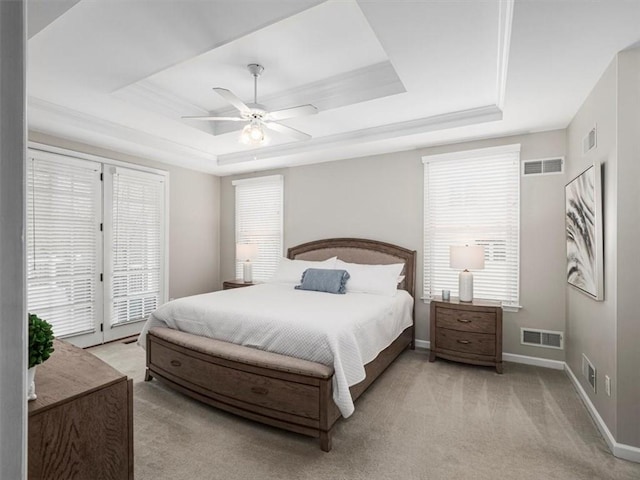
point(420, 420)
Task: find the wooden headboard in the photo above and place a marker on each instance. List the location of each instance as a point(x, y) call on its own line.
point(359, 250)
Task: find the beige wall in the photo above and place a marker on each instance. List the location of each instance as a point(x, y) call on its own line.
point(608, 332)
point(194, 218)
point(591, 325)
point(381, 197)
point(628, 274)
point(13, 327)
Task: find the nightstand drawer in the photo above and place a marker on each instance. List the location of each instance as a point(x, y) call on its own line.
point(466, 320)
point(466, 342)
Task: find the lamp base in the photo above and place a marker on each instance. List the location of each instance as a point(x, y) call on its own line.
point(247, 272)
point(465, 286)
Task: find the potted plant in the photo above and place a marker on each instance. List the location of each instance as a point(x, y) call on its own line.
point(40, 348)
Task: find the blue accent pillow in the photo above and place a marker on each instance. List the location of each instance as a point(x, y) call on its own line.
point(324, 280)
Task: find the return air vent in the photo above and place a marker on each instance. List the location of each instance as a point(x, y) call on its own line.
point(544, 166)
point(542, 338)
point(589, 372)
point(590, 141)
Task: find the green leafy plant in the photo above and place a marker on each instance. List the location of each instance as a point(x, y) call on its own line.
point(40, 340)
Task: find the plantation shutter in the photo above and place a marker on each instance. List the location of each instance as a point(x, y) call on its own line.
point(63, 242)
point(473, 198)
point(137, 232)
point(259, 210)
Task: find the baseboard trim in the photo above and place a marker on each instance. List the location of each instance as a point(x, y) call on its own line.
point(536, 361)
point(620, 450)
point(426, 344)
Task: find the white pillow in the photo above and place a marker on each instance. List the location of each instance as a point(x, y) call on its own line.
point(375, 279)
point(290, 271)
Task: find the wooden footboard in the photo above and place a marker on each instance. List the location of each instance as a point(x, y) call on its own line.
point(291, 394)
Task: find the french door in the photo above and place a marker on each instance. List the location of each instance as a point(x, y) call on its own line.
point(95, 246)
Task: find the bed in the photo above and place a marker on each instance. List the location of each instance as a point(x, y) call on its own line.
point(274, 388)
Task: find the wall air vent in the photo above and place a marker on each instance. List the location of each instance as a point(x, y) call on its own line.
point(589, 372)
point(545, 166)
point(542, 338)
point(590, 141)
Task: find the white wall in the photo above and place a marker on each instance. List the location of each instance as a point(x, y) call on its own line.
point(194, 219)
point(381, 197)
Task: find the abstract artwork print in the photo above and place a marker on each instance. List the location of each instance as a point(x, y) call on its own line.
point(584, 233)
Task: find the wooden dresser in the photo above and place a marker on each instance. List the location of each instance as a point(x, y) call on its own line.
point(81, 424)
point(469, 332)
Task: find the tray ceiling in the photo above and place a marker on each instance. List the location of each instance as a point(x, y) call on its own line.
point(385, 76)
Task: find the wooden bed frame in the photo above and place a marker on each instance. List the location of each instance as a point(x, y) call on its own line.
point(274, 389)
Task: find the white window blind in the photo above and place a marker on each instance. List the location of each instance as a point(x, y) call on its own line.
point(137, 244)
point(259, 210)
point(473, 198)
point(64, 205)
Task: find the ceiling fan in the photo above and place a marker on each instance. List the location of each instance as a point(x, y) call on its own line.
point(258, 116)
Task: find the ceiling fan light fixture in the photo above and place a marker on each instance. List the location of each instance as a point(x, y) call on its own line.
point(253, 134)
point(257, 115)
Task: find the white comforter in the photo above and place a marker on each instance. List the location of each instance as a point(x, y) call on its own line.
point(346, 331)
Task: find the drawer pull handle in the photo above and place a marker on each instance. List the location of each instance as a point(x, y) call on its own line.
point(176, 363)
point(464, 342)
point(259, 390)
point(462, 320)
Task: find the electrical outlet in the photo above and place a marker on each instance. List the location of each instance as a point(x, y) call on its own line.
point(607, 385)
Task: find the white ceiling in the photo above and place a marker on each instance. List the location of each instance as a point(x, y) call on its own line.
point(385, 75)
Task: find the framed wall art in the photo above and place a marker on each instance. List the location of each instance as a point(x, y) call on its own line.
point(583, 214)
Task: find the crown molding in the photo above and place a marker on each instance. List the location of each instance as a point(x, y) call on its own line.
point(444, 121)
point(52, 119)
point(505, 22)
point(150, 96)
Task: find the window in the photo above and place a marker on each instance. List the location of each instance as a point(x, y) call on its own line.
point(96, 245)
point(64, 210)
point(473, 198)
point(259, 206)
point(136, 235)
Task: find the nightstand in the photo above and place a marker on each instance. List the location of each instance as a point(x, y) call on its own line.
point(237, 283)
point(469, 332)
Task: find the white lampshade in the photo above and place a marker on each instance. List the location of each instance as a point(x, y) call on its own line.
point(246, 251)
point(467, 257)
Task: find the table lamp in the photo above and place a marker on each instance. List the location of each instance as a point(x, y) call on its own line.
point(465, 258)
point(245, 252)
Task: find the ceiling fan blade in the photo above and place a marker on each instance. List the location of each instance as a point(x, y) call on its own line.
point(298, 111)
point(218, 119)
point(292, 132)
point(232, 99)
